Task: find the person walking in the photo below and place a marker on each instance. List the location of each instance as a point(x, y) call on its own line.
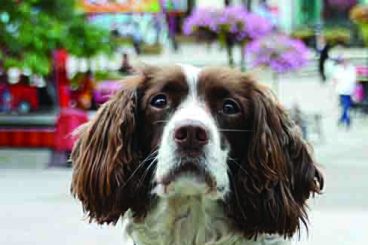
point(323, 56)
point(125, 67)
point(344, 80)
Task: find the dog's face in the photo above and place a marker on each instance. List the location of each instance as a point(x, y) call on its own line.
point(182, 131)
point(192, 154)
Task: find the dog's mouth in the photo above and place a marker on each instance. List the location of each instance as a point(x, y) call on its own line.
point(189, 168)
point(190, 177)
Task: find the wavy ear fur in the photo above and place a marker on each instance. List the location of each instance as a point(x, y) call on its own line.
point(103, 156)
point(278, 174)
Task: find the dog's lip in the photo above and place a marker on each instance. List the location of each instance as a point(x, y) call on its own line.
point(190, 152)
point(189, 168)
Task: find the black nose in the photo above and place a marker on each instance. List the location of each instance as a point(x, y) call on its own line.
point(192, 135)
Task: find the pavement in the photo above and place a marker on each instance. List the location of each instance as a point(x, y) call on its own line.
point(36, 206)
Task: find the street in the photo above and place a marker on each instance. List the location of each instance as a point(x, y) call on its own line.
point(36, 206)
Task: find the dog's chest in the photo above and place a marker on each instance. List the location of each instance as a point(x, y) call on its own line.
point(184, 221)
point(190, 221)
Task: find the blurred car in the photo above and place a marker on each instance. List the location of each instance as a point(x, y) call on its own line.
point(23, 98)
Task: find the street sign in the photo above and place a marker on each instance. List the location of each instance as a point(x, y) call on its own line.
point(120, 6)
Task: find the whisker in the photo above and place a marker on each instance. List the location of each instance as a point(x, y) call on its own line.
point(141, 179)
point(139, 166)
point(234, 130)
point(238, 164)
point(160, 121)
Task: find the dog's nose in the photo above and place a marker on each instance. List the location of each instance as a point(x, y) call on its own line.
point(191, 135)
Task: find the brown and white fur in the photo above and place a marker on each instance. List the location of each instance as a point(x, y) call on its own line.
point(195, 156)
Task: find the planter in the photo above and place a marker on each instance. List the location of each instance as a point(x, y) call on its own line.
point(204, 35)
point(151, 49)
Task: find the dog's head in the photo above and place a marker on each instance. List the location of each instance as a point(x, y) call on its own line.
point(183, 131)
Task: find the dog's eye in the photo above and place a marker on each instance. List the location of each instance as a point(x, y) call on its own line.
point(159, 101)
point(230, 107)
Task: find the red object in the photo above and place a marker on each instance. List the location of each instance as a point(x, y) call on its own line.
point(59, 138)
point(82, 96)
point(67, 122)
point(62, 81)
point(23, 93)
point(64, 96)
point(32, 138)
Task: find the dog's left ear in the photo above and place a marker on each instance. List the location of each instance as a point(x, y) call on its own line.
point(279, 172)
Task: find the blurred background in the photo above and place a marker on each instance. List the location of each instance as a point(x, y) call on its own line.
point(61, 59)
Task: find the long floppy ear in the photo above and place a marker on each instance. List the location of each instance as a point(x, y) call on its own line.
point(278, 174)
point(103, 156)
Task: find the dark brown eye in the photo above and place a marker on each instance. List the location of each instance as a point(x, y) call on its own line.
point(159, 101)
point(230, 107)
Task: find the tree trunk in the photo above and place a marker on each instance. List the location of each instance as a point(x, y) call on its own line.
point(247, 4)
point(229, 50)
point(275, 83)
point(242, 57)
point(230, 58)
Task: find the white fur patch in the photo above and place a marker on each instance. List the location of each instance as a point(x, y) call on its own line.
point(184, 221)
point(191, 73)
point(190, 221)
point(215, 158)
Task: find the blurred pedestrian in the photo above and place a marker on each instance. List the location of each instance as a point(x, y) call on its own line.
point(344, 80)
point(137, 38)
point(172, 27)
point(125, 67)
point(84, 93)
point(323, 56)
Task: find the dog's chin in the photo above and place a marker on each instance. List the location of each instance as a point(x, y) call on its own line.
point(188, 179)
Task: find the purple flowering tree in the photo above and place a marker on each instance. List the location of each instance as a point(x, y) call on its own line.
point(279, 53)
point(231, 26)
point(202, 23)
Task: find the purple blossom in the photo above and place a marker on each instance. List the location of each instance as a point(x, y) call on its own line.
point(201, 18)
point(256, 26)
point(234, 20)
point(278, 52)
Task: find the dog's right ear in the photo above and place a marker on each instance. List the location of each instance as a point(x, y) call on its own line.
point(103, 156)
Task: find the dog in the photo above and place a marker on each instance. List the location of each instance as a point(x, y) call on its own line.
point(185, 155)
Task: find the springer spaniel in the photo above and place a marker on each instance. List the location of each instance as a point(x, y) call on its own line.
point(191, 156)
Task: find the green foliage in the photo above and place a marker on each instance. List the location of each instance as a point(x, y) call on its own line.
point(364, 32)
point(60, 9)
point(84, 39)
point(359, 15)
point(32, 29)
